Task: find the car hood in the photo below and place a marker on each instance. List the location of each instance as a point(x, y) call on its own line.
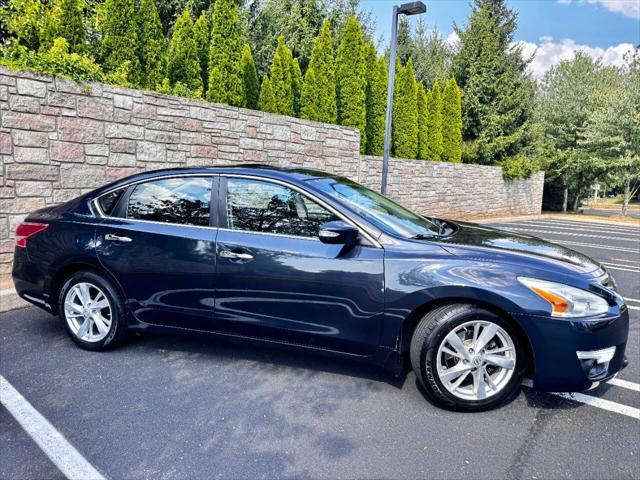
point(505, 245)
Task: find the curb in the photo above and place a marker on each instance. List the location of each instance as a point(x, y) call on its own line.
point(9, 300)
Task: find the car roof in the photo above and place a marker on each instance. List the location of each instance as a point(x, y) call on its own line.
point(296, 173)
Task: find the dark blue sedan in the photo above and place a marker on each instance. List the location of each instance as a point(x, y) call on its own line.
point(318, 263)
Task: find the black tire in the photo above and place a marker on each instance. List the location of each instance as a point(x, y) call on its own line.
point(117, 332)
point(429, 335)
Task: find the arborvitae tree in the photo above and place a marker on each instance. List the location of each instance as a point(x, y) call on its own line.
point(422, 122)
point(376, 102)
point(451, 123)
point(318, 100)
point(226, 84)
point(183, 65)
point(405, 113)
point(296, 85)
point(250, 78)
point(119, 35)
point(281, 79)
point(202, 34)
point(497, 104)
point(350, 79)
point(24, 21)
point(66, 20)
point(434, 123)
point(267, 101)
point(152, 45)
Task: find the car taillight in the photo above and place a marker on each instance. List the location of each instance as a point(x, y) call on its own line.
point(26, 230)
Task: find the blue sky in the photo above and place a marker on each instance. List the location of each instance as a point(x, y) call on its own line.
point(553, 29)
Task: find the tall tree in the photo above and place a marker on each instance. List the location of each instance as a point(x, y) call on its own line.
point(183, 65)
point(119, 47)
point(250, 78)
point(225, 74)
point(24, 21)
point(350, 80)
point(296, 85)
point(267, 101)
point(404, 133)
point(498, 93)
point(66, 20)
point(202, 34)
point(376, 106)
point(434, 124)
point(423, 115)
point(281, 79)
point(152, 45)
point(451, 123)
point(318, 99)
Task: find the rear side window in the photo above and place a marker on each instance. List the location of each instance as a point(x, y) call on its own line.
point(174, 200)
point(109, 201)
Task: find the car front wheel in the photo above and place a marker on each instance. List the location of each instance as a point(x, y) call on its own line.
point(466, 358)
point(92, 311)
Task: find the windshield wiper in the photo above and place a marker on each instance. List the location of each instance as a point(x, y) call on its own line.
point(422, 236)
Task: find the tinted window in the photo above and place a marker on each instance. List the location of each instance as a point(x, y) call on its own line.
point(109, 201)
point(267, 207)
point(174, 200)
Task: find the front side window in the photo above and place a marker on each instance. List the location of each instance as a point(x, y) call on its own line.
point(258, 206)
point(174, 200)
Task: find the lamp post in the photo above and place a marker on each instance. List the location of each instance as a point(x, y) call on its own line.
point(413, 8)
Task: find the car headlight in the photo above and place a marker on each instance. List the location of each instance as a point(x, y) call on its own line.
point(566, 301)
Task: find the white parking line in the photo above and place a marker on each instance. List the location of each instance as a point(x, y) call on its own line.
point(631, 307)
point(634, 300)
point(543, 226)
point(626, 228)
point(610, 266)
point(602, 247)
point(571, 234)
point(631, 263)
point(601, 403)
point(63, 455)
point(618, 382)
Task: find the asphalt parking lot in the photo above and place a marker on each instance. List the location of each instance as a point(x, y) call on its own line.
point(185, 408)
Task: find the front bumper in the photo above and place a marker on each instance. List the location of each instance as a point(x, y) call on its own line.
point(555, 343)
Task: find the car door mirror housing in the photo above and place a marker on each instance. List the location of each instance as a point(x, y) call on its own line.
point(338, 233)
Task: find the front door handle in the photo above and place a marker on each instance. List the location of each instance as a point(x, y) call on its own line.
point(236, 255)
point(117, 238)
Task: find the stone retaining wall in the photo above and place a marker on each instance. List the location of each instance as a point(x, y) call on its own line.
point(59, 139)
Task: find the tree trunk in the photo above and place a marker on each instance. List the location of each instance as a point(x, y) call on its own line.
point(625, 201)
point(576, 203)
point(565, 200)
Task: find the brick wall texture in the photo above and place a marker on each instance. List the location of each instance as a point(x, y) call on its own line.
point(59, 139)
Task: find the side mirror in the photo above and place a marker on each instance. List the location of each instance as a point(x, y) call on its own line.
point(338, 233)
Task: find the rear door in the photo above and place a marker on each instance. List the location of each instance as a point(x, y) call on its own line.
point(158, 240)
point(276, 280)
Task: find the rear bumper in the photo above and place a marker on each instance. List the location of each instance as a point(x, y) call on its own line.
point(28, 280)
point(555, 343)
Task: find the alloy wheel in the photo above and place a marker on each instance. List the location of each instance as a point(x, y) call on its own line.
point(476, 360)
point(88, 312)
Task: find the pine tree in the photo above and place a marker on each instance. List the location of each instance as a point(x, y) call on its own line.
point(376, 102)
point(451, 123)
point(183, 65)
point(422, 122)
point(350, 79)
point(497, 104)
point(267, 101)
point(250, 78)
point(226, 84)
point(281, 79)
point(152, 45)
point(405, 113)
point(434, 124)
point(318, 100)
point(202, 34)
point(67, 21)
point(296, 85)
point(119, 45)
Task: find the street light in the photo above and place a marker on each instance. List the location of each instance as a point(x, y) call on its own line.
point(412, 8)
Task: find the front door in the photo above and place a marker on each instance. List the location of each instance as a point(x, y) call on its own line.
point(276, 280)
point(159, 245)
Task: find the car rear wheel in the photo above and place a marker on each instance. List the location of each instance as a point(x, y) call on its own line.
point(467, 358)
point(92, 311)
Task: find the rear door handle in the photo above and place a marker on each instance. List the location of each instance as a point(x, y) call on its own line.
point(236, 255)
point(117, 238)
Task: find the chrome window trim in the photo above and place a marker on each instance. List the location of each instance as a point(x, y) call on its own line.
point(362, 229)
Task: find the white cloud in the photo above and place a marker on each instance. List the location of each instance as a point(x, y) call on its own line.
point(548, 53)
point(452, 39)
point(628, 8)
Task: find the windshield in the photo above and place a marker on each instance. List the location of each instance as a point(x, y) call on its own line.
point(382, 212)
